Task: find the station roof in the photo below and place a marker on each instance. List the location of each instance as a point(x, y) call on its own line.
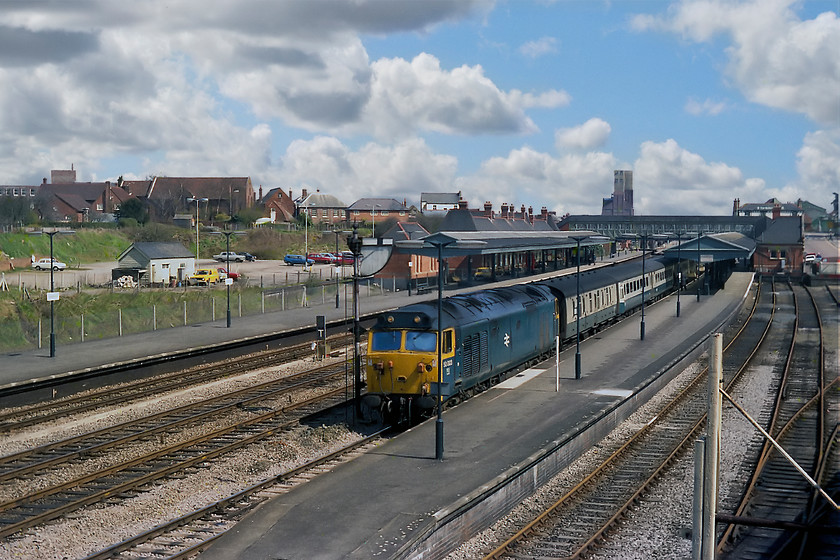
point(493, 242)
point(713, 248)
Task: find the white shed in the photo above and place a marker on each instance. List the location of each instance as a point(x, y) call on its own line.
point(159, 263)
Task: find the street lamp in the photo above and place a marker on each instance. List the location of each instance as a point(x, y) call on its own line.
point(578, 239)
point(52, 296)
point(373, 219)
point(228, 280)
point(699, 235)
point(196, 200)
point(644, 237)
point(354, 243)
point(680, 235)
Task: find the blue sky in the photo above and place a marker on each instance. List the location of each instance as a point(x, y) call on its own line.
point(531, 103)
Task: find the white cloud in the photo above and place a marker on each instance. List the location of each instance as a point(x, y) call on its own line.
point(668, 179)
point(707, 107)
point(540, 47)
point(818, 164)
point(406, 168)
point(592, 134)
point(570, 183)
point(776, 59)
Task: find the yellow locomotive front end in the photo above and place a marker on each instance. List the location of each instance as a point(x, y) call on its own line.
point(401, 363)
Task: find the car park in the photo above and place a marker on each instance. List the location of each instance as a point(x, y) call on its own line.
point(46, 264)
point(205, 277)
point(291, 259)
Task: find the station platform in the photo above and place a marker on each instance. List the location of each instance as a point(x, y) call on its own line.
point(390, 502)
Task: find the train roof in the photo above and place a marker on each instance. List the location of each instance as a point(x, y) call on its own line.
point(464, 308)
point(603, 276)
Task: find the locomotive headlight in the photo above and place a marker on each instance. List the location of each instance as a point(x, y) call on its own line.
point(390, 318)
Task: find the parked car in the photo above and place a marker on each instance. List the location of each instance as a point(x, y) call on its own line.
point(249, 257)
point(224, 256)
point(483, 273)
point(204, 277)
point(322, 258)
point(46, 264)
point(296, 259)
point(346, 257)
point(223, 273)
point(810, 257)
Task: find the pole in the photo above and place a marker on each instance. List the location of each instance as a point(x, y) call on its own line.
point(439, 422)
point(338, 269)
point(697, 509)
point(577, 316)
point(679, 271)
point(52, 302)
point(227, 283)
point(642, 326)
point(712, 447)
point(698, 266)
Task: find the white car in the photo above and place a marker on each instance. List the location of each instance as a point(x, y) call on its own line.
point(46, 264)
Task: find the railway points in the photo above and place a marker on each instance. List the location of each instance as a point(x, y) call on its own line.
point(398, 501)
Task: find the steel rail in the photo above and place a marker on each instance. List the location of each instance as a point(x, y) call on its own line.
point(784, 419)
point(233, 501)
point(118, 395)
point(76, 447)
point(175, 464)
point(544, 517)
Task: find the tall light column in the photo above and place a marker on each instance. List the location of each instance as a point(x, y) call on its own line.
point(197, 201)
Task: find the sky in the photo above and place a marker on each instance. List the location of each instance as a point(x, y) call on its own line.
point(526, 102)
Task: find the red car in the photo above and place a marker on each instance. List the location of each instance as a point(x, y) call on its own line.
point(321, 258)
point(223, 273)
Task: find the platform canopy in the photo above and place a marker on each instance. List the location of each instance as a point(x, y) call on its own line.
point(495, 242)
point(713, 248)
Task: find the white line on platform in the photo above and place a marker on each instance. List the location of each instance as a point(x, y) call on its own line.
point(614, 392)
point(519, 379)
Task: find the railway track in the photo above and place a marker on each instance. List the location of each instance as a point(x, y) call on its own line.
point(193, 532)
point(579, 519)
point(119, 395)
point(802, 424)
point(165, 445)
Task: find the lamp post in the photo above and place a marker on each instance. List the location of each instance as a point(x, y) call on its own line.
point(336, 232)
point(196, 200)
point(440, 241)
point(52, 296)
point(354, 243)
point(698, 265)
point(644, 237)
point(679, 235)
point(373, 219)
point(228, 280)
point(578, 239)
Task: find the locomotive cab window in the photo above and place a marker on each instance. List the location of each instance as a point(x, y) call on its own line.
point(382, 341)
point(448, 341)
point(420, 341)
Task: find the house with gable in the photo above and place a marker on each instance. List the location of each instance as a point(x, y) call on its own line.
point(322, 209)
point(369, 210)
point(278, 204)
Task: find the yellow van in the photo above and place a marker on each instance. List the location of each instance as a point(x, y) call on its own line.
point(205, 277)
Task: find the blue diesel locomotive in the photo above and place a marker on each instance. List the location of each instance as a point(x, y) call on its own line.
point(489, 332)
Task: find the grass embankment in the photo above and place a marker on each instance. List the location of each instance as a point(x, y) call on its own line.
point(144, 310)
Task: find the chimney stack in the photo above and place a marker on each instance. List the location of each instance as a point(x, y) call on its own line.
point(303, 194)
point(488, 209)
point(735, 206)
point(777, 210)
point(462, 204)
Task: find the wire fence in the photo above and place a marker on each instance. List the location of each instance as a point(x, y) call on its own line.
point(167, 308)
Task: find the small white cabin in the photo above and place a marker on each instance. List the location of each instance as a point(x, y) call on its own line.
point(158, 263)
